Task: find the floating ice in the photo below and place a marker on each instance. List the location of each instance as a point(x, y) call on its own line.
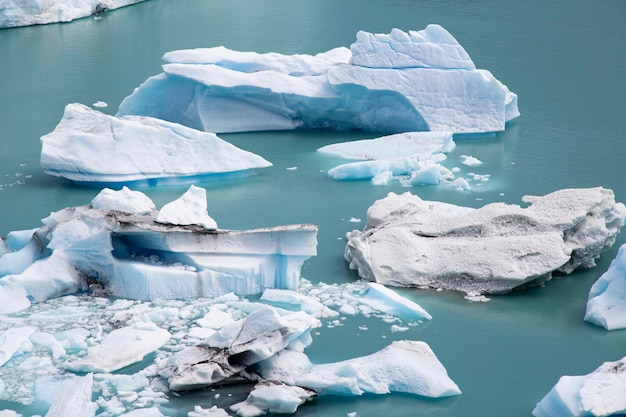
point(91, 147)
point(15, 13)
point(270, 397)
point(75, 399)
point(470, 161)
point(190, 208)
point(133, 256)
point(11, 340)
point(120, 348)
point(606, 306)
point(305, 303)
point(208, 412)
point(600, 393)
point(411, 242)
point(384, 299)
point(414, 81)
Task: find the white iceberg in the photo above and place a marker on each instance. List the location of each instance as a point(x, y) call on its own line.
point(190, 208)
point(494, 249)
point(270, 397)
point(606, 306)
point(386, 300)
point(88, 146)
point(416, 81)
point(598, 394)
point(133, 256)
point(15, 13)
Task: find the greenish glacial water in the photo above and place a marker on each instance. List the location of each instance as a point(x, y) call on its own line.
point(565, 60)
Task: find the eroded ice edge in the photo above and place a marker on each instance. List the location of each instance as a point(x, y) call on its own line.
point(186, 327)
point(391, 83)
point(15, 13)
point(90, 147)
point(606, 306)
point(600, 393)
point(408, 241)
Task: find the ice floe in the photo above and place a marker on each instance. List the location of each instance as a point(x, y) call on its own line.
point(15, 13)
point(606, 306)
point(416, 81)
point(88, 146)
point(600, 393)
point(407, 241)
point(134, 254)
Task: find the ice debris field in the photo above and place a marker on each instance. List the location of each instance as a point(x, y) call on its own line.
point(115, 308)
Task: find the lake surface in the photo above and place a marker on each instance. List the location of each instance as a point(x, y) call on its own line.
point(564, 59)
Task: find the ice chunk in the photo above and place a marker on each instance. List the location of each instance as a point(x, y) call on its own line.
point(386, 300)
point(305, 303)
point(125, 200)
point(128, 255)
point(15, 13)
point(190, 208)
point(399, 82)
point(411, 242)
point(144, 412)
point(75, 399)
point(600, 393)
point(122, 347)
point(606, 306)
point(208, 412)
point(270, 397)
point(91, 147)
point(470, 160)
point(11, 340)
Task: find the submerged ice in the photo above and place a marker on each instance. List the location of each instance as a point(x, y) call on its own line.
point(416, 81)
point(126, 248)
point(494, 249)
point(91, 147)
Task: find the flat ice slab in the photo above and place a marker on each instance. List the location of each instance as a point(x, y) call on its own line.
point(88, 146)
point(606, 306)
point(134, 255)
point(15, 13)
point(416, 81)
point(600, 393)
point(411, 242)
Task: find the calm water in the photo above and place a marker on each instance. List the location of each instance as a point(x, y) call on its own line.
point(565, 60)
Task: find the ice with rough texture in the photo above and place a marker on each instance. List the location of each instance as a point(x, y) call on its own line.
point(190, 208)
point(15, 13)
point(411, 242)
point(121, 347)
point(75, 399)
point(606, 306)
point(131, 255)
point(88, 146)
point(269, 397)
point(597, 394)
point(417, 81)
point(227, 353)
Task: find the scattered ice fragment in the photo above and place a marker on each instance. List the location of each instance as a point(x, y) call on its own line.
point(292, 168)
point(12, 340)
point(100, 104)
point(270, 397)
point(470, 160)
point(386, 300)
point(477, 298)
point(75, 399)
point(354, 220)
point(208, 412)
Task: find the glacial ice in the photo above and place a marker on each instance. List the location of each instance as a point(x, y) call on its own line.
point(407, 241)
point(15, 13)
point(599, 393)
point(75, 399)
point(132, 255)
point(411, 157)
point(270, 397)
point(606, 306)
point(88, 146)
point(416, 81)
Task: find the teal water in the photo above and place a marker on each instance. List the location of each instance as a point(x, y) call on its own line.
point(565, 60)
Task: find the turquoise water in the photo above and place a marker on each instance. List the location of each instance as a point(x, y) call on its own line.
point(565, 60)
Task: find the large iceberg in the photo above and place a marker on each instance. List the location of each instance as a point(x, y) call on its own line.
point(606, 306)
point(416, 81)
point(37, 12)
point(142, 254)
point(598, 394)
point(88, 146)
point(494, 249)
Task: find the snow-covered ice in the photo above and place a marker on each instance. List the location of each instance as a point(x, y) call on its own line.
point(121, 248)
point(599, 393)
point(15, 13)
point(416, 81)
point(606, 306)
point(88, 146)
point(190, 208)
point(407, 241)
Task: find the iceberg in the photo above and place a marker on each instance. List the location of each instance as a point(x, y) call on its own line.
point(413, 157)
point(140, 254)
point(90, 147)
point(407, 241)
point(606, 306)
point(14, 13)
point(416, 81)
point(600, 393)
point(272, 397)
